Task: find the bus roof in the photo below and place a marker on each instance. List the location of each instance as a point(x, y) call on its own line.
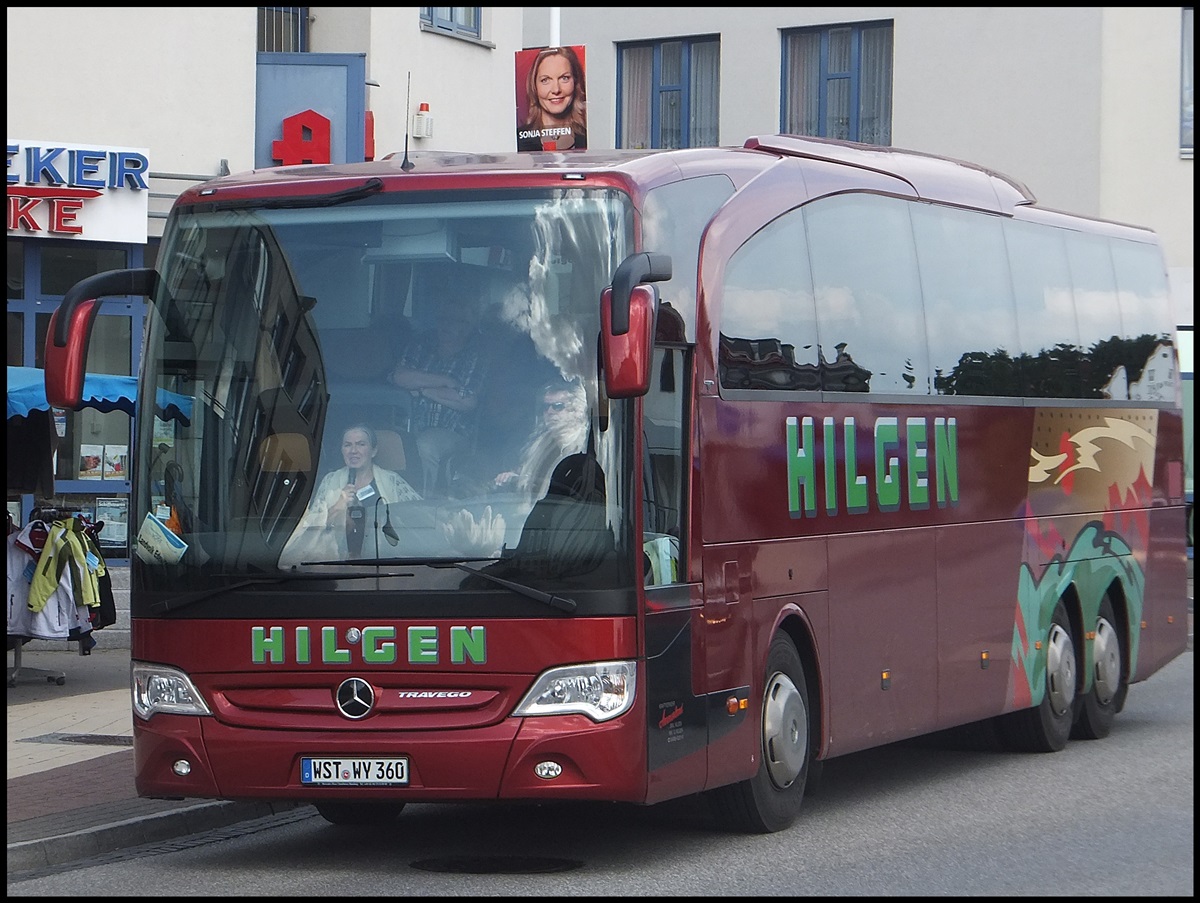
point(842, 166)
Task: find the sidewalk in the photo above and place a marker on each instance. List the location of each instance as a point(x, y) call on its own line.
point(70, 765)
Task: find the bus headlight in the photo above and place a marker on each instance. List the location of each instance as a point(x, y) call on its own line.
point(158, 688)
point(600, 690)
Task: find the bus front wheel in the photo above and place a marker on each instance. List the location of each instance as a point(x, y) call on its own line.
point(356, 812)
point(770, 801)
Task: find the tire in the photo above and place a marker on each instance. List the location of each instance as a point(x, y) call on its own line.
point(770, 801)
point(1047, 726)
point(356, 812)
point(1101, 703)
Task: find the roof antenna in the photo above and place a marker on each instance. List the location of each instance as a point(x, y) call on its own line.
point(407, 164)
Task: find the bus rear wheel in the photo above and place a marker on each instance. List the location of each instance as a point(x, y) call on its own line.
point(1047, 726)
point(1101, 702)
point(770, 801)
point(358, 812)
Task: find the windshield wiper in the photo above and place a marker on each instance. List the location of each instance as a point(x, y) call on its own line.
point(187, 599)
point(366, 189)
point(354, 193)
point(560, 602)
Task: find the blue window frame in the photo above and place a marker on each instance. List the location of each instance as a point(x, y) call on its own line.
point(669, 93)
point(837, 82)
point(461, 21)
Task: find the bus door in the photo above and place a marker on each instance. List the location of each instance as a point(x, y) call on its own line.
point(676, 720)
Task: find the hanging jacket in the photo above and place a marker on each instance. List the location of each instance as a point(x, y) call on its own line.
point(59, 618)
point(68, 545)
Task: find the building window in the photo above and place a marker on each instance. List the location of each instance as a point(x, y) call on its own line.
point(837, 83)
point(1187, 82)
point(669, 93)
point(462, 21)
point(283, 29)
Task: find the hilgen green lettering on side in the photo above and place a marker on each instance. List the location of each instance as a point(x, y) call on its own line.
point(856, 483)
point(918, 464)
point(801, 467)
point(897, 477)
point(831, 503)
point(887, 463)
point(945, 440)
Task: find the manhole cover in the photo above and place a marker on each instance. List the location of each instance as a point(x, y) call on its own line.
point(496, 865)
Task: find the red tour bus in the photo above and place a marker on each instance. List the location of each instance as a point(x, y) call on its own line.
point(633, 475)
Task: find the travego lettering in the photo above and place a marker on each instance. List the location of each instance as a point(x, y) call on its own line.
point(913, 469)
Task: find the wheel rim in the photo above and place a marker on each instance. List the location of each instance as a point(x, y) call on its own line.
point(1107, 652)
point(785, 730)
point(1060, 669)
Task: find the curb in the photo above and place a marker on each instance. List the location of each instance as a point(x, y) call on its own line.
point(72, 846)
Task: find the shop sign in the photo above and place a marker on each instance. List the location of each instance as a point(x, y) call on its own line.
point(86, 191)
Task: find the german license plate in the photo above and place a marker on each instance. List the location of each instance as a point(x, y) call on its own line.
point(354, 771)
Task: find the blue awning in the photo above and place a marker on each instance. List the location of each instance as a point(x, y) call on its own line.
point(102, 391)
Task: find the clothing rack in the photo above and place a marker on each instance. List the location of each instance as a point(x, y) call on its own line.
point(50, 515)
point(18, 670)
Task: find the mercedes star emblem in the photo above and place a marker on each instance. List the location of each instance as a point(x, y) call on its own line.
point(355, 698)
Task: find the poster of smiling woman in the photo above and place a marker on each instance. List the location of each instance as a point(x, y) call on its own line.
point(551, 99)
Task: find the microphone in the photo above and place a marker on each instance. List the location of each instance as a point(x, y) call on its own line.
point(354, 521)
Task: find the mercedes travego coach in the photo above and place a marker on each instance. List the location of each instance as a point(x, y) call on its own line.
point(717, 464)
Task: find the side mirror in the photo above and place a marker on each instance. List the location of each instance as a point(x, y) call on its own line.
point(70, 330)
point(627, 311)
point(627, 356)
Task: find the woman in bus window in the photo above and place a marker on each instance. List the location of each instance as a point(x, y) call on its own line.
point(342, 504)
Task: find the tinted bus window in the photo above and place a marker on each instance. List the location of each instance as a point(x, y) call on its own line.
point(1096, 309)
point(1049, 336)
point(1145, 315)
point(868, 295)
point(1141, 288)
point(674, 217)
point(969, 315)
point(769, 326)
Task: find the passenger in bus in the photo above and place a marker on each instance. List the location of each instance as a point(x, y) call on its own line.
point(561, 430)
point(444, 371)
point(345, 505)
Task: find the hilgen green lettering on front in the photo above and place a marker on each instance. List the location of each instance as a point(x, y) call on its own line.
point(267, 643)
point(330, 653)
point(422, 645)
point(377, 645)
point(468, 642)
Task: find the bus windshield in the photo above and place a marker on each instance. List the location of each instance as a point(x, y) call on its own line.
point(399, 382)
